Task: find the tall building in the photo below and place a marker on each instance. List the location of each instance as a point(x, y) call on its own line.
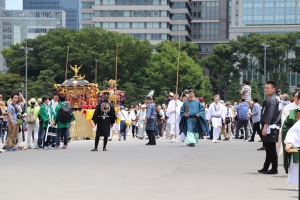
point(18, 25)
point(210, 23)
point(2, 4)
point(154, 20)
point(266, 17)
point(71, 7)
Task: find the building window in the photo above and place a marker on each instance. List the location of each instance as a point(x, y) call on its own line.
point(108, 2)
point(237, 13)
point(87, 4)
point(87, 15)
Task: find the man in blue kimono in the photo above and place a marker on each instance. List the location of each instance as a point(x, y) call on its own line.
point(193, 121)
point(150, 120)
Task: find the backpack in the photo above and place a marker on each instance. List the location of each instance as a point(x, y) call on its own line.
point(31, 118)
point(65, 113)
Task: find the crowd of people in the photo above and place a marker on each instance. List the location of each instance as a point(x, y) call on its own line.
point(46, 122)
point(182, 118)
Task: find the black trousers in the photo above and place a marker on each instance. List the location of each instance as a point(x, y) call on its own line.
point(256, 128)
point(271, 155)
point(151, 136)
point(133, 129)
point(160, 125)
point(104, 141)
point(211, 133)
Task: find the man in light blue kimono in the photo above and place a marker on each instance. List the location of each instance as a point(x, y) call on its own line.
point(193, 121)
point(150, 120)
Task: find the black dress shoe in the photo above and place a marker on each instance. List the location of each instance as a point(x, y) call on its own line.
point(250, 140)
point(147, 143)
point(241, 137)
point(260, 141)
point(150, 144)
point(262, 170)
point(226, 139)
point(261, 149)
point(271, 171)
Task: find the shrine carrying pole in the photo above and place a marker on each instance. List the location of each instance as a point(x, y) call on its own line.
point(67, 60)
point(116, 74)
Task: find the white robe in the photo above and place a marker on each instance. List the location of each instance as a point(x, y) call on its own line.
point(219, 111)
point(170, 111)
point(284, 115)
point(293, 137)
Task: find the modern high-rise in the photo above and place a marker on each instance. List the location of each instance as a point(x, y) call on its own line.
point(2, 4)
point(154, 20)
point(18, 25)
point(210, 22)
point(71, 7)
point(266, 17)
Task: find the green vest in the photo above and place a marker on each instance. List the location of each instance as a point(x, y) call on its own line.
point(288, 123)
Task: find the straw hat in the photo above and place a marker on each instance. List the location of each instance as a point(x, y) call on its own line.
point(32, 100)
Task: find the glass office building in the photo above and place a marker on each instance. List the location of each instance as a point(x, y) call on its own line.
point(265, 17)
point(18, 25)
point(210, 22)
point(71, 7)
point(2, 5)
point(154, 20)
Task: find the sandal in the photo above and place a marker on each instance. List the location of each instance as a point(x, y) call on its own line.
point(94, 149)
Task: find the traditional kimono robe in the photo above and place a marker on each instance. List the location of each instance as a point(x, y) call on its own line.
point(285, 113)
point(102, 121)
point(216, 114)
point(170, 113)
point(291, 134)
point(192, 126)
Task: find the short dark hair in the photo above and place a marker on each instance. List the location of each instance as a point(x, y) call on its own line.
point(295, 93)
point(272, 83)
point(62, 97)
point(242, 99)
point(14, 94)
point(255, 99)
point(44, 99)
point(55, 94)
point(148, 98)
point(246, 82)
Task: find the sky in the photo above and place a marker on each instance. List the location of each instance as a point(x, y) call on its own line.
point(14, 4)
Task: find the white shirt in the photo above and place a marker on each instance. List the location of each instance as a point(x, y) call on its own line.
point(54, 104)
point(141, 115)
point(123, 115)
point(228, 112)
point(170, 111)
point(216, 113)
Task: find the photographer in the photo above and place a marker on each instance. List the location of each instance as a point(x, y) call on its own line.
point(246, 91)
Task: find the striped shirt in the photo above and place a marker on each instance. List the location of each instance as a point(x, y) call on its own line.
point(246, 89)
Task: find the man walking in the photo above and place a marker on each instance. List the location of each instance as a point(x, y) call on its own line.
point(150, 120)
point(62, 119)
point(141, 116)
point(271, 122)
point(216, 117)
point(243, 109)
point(256, 114)
point(104, 117)
point(173, 112)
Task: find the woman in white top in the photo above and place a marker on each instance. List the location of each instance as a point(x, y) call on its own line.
point(123, 115)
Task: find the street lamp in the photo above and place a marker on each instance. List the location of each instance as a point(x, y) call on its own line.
point(26, 78)
point(265, 64)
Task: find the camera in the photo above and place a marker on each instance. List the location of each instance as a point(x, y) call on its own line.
point(19, 116)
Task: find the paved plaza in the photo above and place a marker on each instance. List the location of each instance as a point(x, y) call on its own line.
point(130, 170)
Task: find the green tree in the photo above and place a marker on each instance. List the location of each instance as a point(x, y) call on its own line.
point(162, 72)
point(9, 84)
point(221, 65)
